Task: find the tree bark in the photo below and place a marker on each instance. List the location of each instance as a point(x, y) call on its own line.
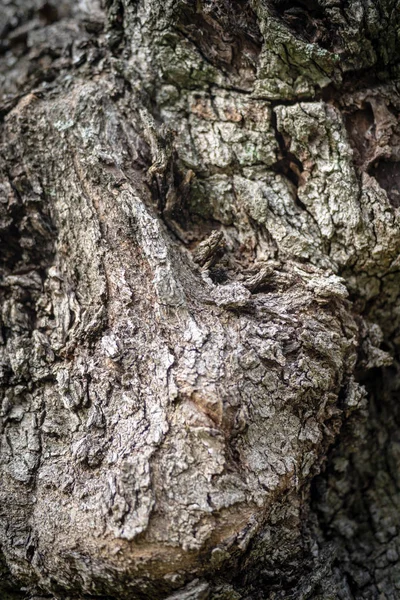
point(199, 215)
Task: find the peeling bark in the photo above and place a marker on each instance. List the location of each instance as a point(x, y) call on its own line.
point(199, 218)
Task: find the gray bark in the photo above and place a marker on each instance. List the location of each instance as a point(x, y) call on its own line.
point(200, 313)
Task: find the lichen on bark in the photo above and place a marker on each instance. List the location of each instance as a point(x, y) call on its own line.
point(199, 278)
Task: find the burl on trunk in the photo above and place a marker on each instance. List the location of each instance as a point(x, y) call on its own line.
point(199, 218)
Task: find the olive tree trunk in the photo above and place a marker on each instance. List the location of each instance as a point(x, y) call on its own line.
point(200, 237)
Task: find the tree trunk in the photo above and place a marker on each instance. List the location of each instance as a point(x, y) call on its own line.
point(199, 214)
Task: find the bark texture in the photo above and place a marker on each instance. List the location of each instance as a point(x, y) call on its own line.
point(199, 218)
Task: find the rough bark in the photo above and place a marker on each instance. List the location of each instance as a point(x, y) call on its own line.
point(199, 219)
